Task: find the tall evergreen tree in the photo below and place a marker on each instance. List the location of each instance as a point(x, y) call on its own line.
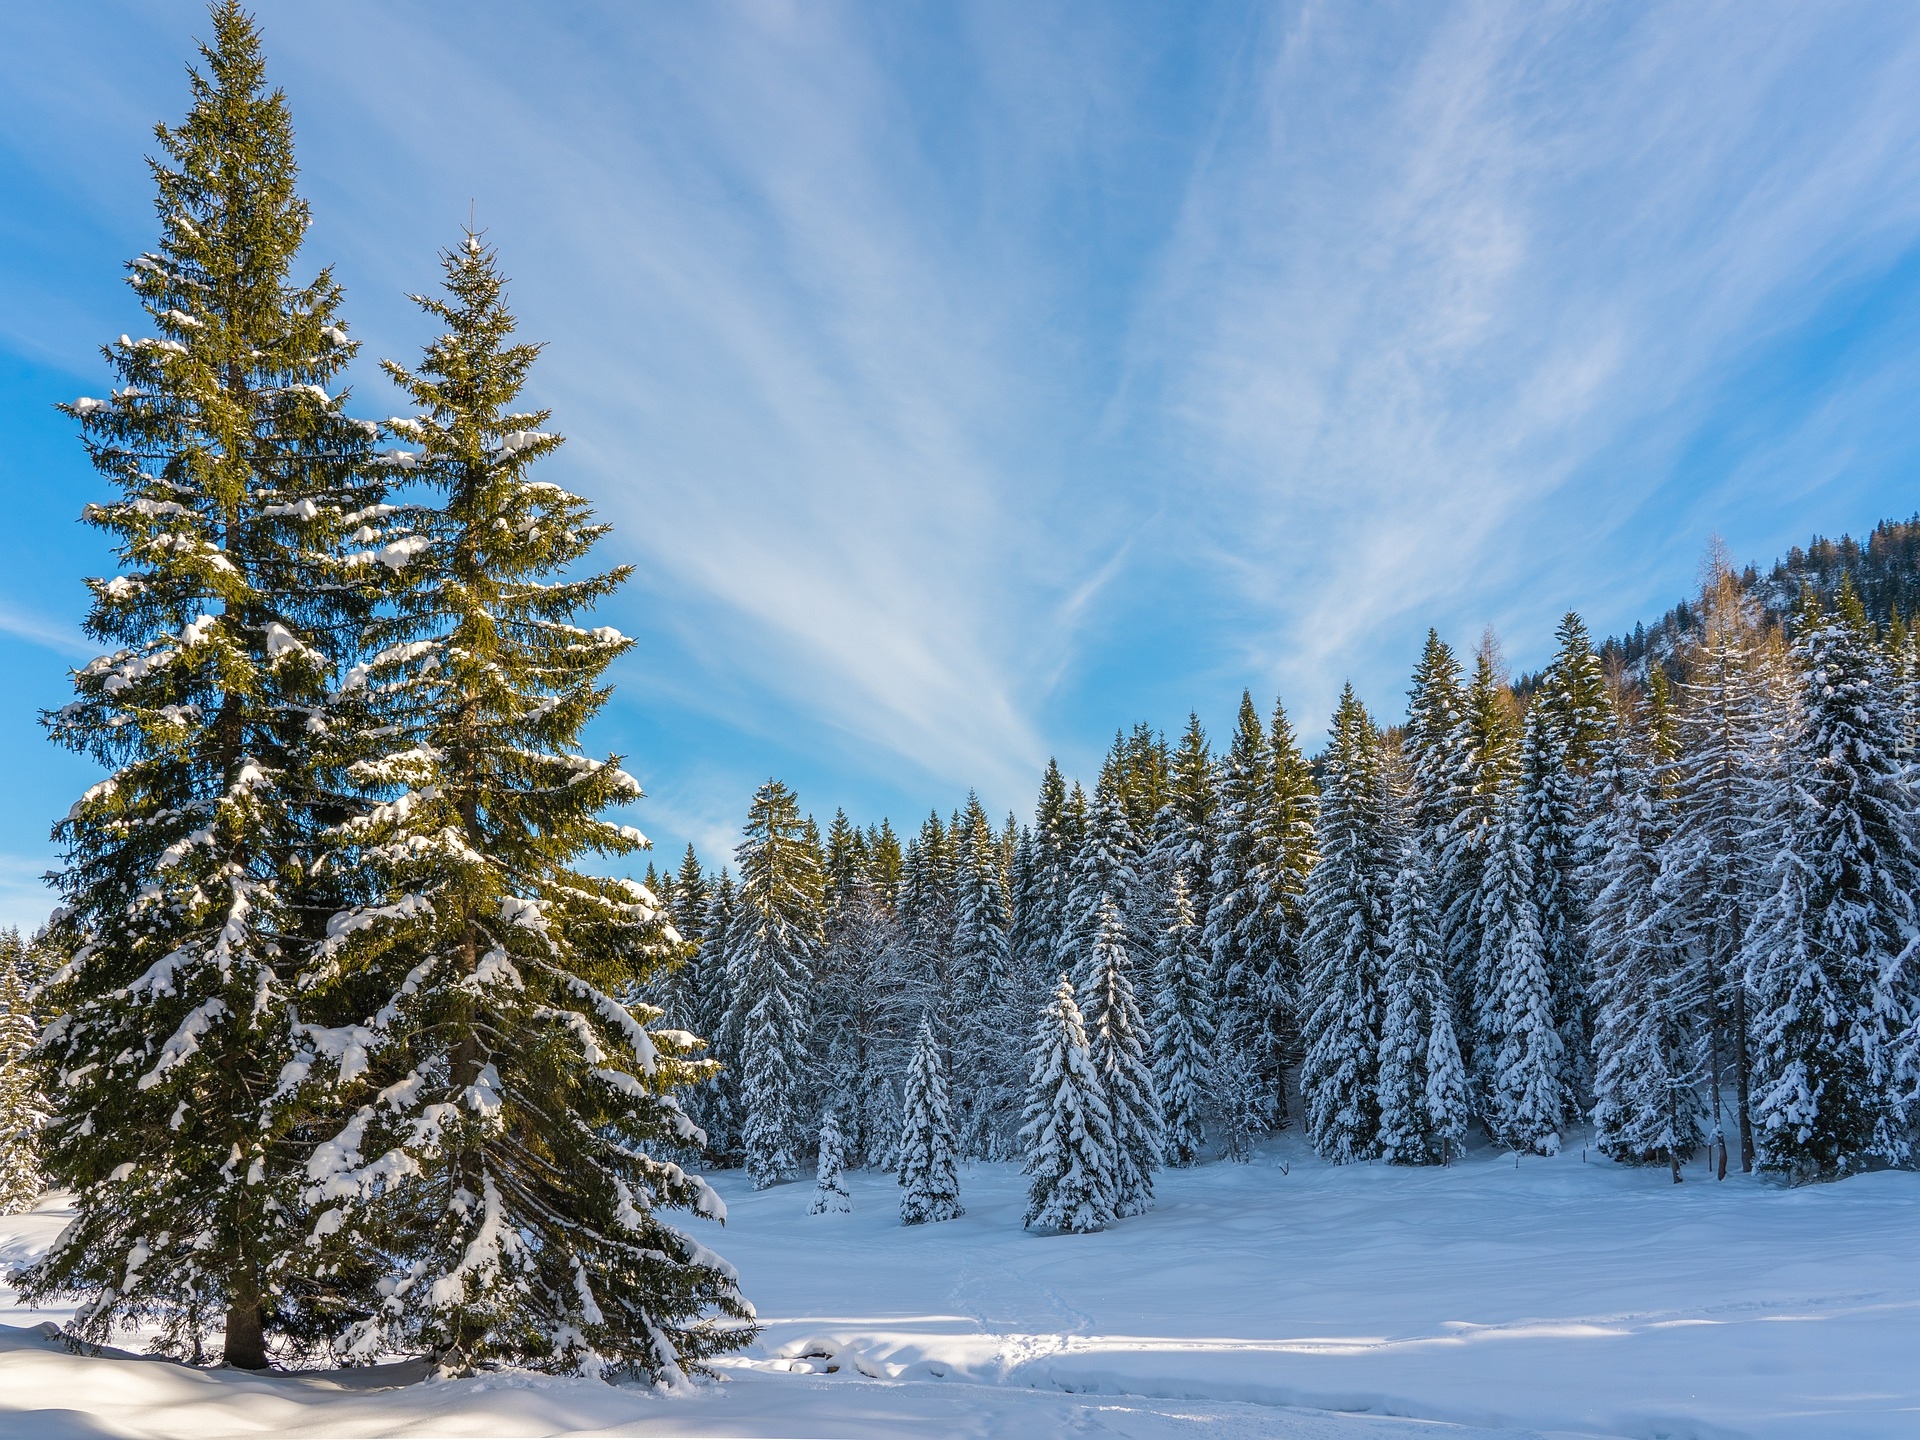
point(1182, 1029)
point(1482, 766)
point(1262, 852)
point(1104, 875)
point(248, 526)
point(929, 1177)
point(1292, 817)
point(1434, 709)
point(1118, 1045)
point(1552, 804)
point(1518, 1052)
point(773, 943)
point(985, 1006)
point(1348, 918)
point(715, 1102)
point(1831, 956)
point(1646, 1037)
point(1068, 1135)
point(512, 1108)
point(1234, 927)
point(1191, 806)
point(1710, 864)
point(1577, 703)
point(23, 1106)
point(671, 989)
point(1038, 940)
point(1423, 1081)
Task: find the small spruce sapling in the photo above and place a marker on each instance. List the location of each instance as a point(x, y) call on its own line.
point(830, 1195)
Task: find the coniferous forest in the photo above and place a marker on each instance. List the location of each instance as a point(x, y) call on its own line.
point(349, 1044)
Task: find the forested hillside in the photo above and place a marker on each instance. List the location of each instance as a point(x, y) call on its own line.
point(1885, 572)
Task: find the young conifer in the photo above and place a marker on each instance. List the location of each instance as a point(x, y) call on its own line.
point(247, 525)
point(1348, 917)
point(830, 1195)
point(1182, 1029)
point(1068, 1133)
point(929, 1175)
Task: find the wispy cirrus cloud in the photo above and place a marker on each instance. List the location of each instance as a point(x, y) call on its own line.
point(963, 383)
point(1452, 290)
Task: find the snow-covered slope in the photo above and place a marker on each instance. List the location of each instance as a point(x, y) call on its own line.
point(1559, 1296)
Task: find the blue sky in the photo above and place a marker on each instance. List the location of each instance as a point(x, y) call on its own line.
point(966, 381)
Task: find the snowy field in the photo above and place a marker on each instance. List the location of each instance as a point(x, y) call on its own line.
point(1286, 1298)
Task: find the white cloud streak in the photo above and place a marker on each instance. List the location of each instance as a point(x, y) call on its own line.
point(1437, 263)
point(916, 357)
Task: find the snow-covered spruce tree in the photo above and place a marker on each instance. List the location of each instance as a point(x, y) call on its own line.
point(1552, 802)
point(1348, 917)
point(189, 897)
point(830, 1195)
point(928, 1172)
point(1182, 1029)
point(1578, 703)
point(1068, 1135)
point(864, 1019)
point(1710, 865)
point(985, 1008)
point(1235, 936)
point(1263, 827)
point(1119, 1047)
point(23, 1106)
point(1518, 1043)
point(1646, 1001)
point(1242, 1103)
point(505, 1159)
point(1038, 940)
point(1190, 835)
point(1423, 1081)
point(673, 989)
point(1830, 954)
point(773, 942)
point(1104, 876)
point(1435, 768)
point(1483, 760)
point(715, 1102)
point(1292, 818)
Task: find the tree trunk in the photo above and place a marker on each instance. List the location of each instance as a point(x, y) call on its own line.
point(246, 1328)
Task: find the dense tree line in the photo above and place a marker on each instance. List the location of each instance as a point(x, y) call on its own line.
point(1682, 913)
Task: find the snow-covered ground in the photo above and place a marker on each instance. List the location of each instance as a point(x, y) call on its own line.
point(1285, 1298)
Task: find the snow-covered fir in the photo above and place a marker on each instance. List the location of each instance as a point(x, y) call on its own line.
point(927, 1159)
point(1068, 1135)
point(830, 1195)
